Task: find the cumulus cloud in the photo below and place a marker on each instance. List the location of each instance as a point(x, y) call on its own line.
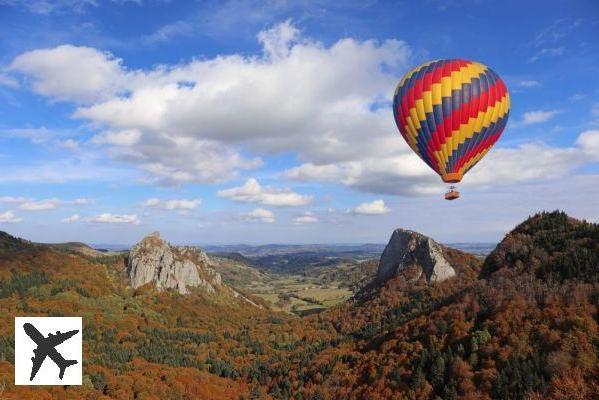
point(193, 121)
point(253, 192)
point(119, 219)
point(376, 207)
point(403, 174)
point(72, 218)
point(538, 116)
point(71, 73)
point(534, 162)
point(9, 217)
point(260, 215)
point(307, 218)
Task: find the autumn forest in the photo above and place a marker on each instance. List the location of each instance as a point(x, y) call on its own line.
point(521, 323)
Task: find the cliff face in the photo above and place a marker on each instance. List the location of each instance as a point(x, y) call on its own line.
point(408, 249)
point(170, 267)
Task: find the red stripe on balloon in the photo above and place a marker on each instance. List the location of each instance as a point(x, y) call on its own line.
point(439, 135)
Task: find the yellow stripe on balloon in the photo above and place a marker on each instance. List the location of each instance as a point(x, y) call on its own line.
point(412, 134)
point(469, 129)
point(427, 97)
point(470, 163)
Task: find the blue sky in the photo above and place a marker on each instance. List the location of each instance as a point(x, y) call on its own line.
point(270, 121)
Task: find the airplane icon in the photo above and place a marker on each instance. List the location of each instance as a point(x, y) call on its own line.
point(46, 347)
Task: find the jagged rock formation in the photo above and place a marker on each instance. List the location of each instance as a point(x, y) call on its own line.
point(170, 267)
point(411, 249)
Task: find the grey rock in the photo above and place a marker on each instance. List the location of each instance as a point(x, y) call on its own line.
point(406, 249)
point(169, 267)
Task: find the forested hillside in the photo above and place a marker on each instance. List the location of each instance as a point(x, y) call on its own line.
point(523, 324)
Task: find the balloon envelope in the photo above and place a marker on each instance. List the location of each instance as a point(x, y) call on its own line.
point(451, 112)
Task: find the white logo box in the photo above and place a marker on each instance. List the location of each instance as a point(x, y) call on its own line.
point(70, 350)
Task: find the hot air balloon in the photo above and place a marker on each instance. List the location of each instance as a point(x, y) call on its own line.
point(451, 112)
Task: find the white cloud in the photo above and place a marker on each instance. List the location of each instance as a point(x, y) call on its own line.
point(151, 202)
point(40, 205)
point(404, 174)
point(72, 218)
point(71, 73)
point(69, 144)
point(307, 218)
point(529, 84)
point(12, 199)
point(589, 142)
point(527, 162)
point(27, 204)
point(253, 192)
point(82, 201)
point(127, 137)
point(260, 215)
point(196, 119)
point(174, 204)
point(108, 218)
point(9, 217)
point(7, 80)
point(502, 166)
point(182, 204)
point(44, 136)
point(376, 207)
point(47, 7)
point(538, 116)
point(276, 42)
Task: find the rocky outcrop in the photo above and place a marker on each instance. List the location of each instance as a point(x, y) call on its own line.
point(153, 260)
point(411, 249)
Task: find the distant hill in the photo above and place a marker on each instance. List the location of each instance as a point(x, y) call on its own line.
point(358, 252)
point(82, 248)
point(10, 243)
point(550, 245)
point(478, 249)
